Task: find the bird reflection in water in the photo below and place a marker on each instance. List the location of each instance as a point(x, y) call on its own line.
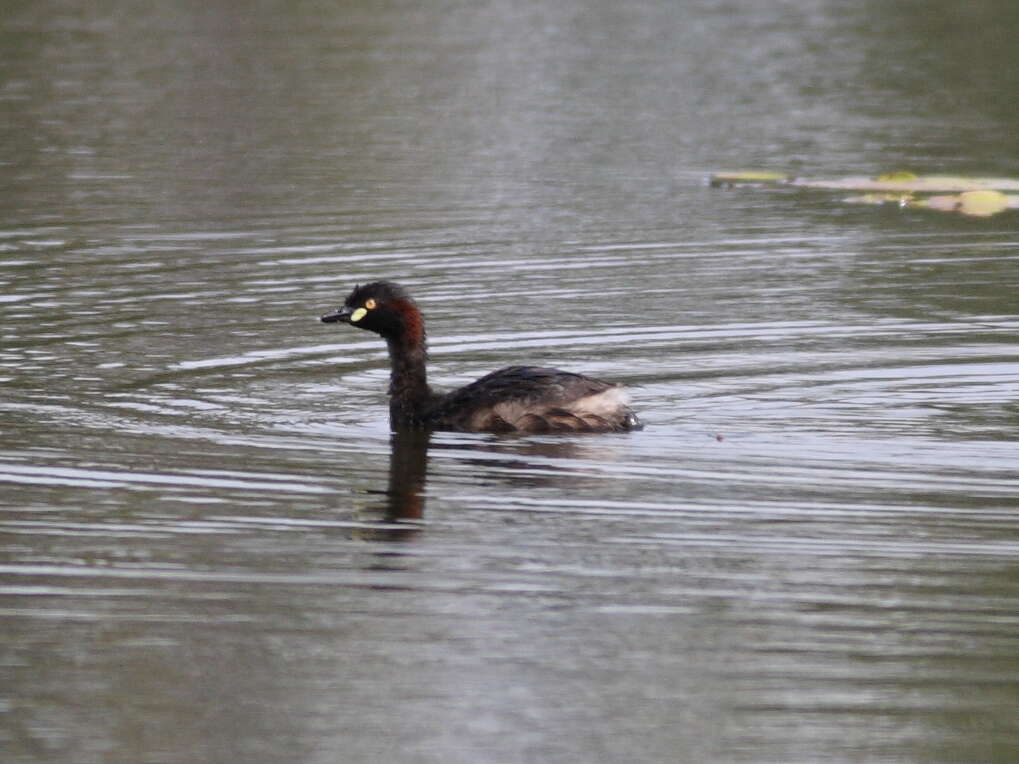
point(400, 516)
point(496, 461)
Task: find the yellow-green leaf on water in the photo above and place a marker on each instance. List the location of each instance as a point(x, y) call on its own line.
point(974, 203)
point(982, 203)
point(973, 196)
point(749, 177)
point(928, 184)
point(960, 183)
point(898, 176)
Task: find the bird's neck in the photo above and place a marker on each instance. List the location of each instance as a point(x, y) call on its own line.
point(409, 394)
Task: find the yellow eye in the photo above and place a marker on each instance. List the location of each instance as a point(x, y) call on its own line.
point(370, 304)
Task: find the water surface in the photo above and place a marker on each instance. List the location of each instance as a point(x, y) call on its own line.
point(212, 548)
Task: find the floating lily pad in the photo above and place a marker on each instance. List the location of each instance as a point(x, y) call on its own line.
point(923, 184)
point(975, 203)
point(897, 176)
point(977, 197)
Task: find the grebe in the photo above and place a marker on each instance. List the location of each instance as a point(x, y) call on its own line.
point(515, 399)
